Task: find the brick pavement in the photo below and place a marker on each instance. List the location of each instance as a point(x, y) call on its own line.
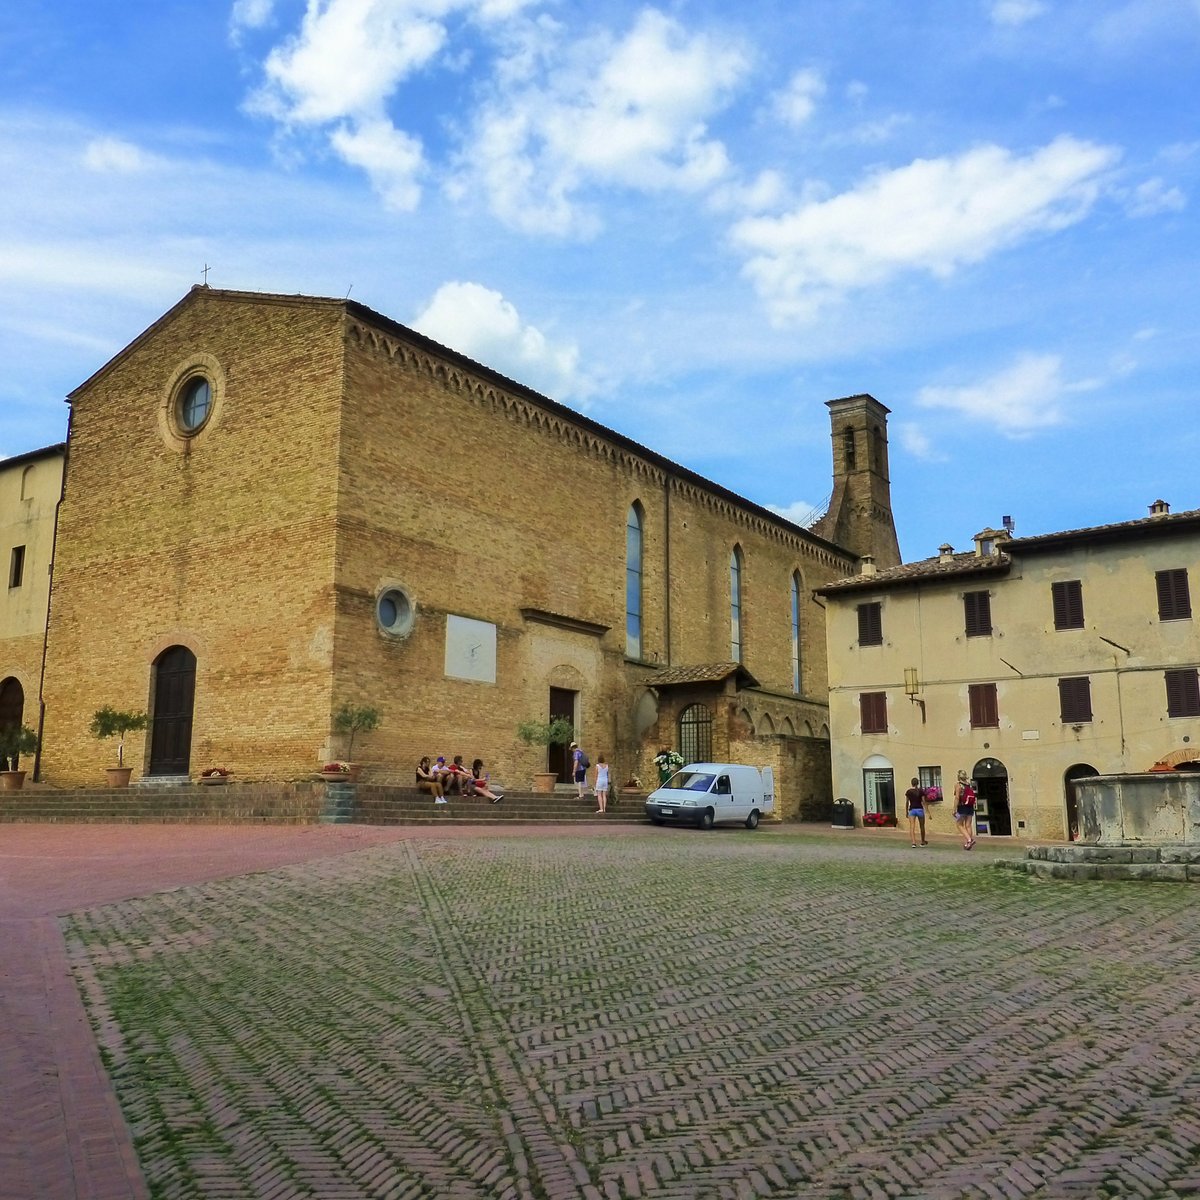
point(637, 1012)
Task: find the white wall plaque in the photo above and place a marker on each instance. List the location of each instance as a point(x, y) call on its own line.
point(470, 649)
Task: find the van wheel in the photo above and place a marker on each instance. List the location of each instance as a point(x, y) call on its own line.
point(752, 820)
point(706, 819)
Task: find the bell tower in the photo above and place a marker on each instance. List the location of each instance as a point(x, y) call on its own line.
point(860, 510)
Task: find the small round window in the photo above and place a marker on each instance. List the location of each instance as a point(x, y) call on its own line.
point(195, 403)
point(394, 612)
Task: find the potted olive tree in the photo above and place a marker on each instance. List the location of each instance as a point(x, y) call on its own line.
point(556, 732)
point(15, 740)
point(111, 722)
point(351, 720)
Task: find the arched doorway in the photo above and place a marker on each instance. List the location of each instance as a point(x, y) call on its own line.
point(171, 717)
point(879, 786)
point(12, 711)
point(1078, 771)
point(992, 813)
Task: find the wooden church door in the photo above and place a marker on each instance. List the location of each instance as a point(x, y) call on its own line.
point(174, 696)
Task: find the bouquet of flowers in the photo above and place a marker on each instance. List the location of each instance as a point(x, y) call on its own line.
point(667, 762)
point(218, 772)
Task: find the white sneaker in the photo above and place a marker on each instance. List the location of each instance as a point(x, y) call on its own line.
point(439, 800)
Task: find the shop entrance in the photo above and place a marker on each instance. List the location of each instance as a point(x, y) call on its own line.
point(879, 786)
point(992, 813)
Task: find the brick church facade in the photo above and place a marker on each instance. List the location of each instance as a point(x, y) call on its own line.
point(275, 504)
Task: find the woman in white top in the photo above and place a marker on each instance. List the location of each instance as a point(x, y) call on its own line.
point(601, 783)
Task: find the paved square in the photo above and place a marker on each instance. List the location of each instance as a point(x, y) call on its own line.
point(646, 1012)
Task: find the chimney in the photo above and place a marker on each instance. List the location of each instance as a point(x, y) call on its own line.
point(1159, 508)
point(867, 565)
point(945, 552)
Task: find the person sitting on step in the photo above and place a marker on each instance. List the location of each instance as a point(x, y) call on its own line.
point(429, 781)
point(482, 785)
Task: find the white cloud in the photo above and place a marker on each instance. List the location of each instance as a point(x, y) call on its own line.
point(113, 154)
point(630, 113)
point(563, 114)
point(390, 156)
point(340, 70)
point(1016, 12)
point(934, 215)
point(249, 14)
point(482, 324)
point(1153, 197)
point(1017, 400)
point(917, 442)
point(798, 101)
point(799, 512)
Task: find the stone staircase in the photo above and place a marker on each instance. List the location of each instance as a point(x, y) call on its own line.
point(302, 802)
point(1179, 863)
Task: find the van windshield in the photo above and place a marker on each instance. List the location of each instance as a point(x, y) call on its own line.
point(690, 781)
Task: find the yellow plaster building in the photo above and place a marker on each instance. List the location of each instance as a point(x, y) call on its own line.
point(275, 504)
point(30, 488)
point(1027, 662)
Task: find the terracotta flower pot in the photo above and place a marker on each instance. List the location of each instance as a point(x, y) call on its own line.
point(118, 776)
point(12, 781)
point(544, 781)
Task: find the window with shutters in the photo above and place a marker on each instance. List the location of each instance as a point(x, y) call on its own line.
point(1183, 692)
point(870, 624)
point(985, 712)
point(873, 711)
point(1174, 603)
point(1068, 604)
point(977, 610)
point(1075, 700)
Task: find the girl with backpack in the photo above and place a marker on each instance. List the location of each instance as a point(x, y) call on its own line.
point(964, 809)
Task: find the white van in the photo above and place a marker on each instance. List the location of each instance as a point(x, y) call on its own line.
point(708, 794)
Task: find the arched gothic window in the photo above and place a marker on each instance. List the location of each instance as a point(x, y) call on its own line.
point(633, 582)
point(735, 604)
point(695, 734)
point(796, 632)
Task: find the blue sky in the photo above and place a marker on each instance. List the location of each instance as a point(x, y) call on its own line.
point(694, 221)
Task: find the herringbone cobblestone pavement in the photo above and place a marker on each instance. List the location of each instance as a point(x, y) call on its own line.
point(651, 1013)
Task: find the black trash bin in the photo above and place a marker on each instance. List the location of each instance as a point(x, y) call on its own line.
point(843, 814)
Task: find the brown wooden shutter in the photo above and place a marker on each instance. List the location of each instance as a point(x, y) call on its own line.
point(977, 609)
point(1075, 700)
point(1174, 603)
point(870, 624)
point(1068, 604)
point(1183, 692)
point(873, 712)
point(985, 712)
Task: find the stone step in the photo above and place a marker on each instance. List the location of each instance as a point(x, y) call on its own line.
point(1174, 863)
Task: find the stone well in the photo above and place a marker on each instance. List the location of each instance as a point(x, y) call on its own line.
point(1153, 809)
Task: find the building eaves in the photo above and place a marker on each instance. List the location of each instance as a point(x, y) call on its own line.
point(58, 450)
point(700, 673)
point(954, 566)
point(1164, 524)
